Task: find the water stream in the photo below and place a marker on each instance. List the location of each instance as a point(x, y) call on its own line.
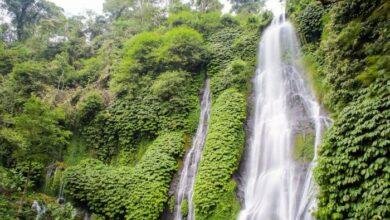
point(276, 186)
point(185, 188)
point(40, 209)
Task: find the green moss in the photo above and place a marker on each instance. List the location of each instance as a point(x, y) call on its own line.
point(76, 151)
point(131, 158)
point(184, 207)
point(304, 147)
point(313, 71)
point(228, 207)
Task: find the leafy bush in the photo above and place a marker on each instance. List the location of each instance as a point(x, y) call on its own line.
point(169, 84)
point(90, 106)
point(10, 180)
point(32, 173)
point(228, 20)
point(99, 188)
point(245, 47)
point(353, 166)
point(139, 59)
point(101, 136)
point(89, 72)
point(184, 208)
point(183, 18)
point(352, 38)
point(236, 75)
point(221, 51)
point(137, 193)
point(310, 22)
point(28, 77)
point(37, 133)
point(168, 103)
point(152, 177)
point(183, 48)
point(221, 154)
point(346, 11)
point(6, 209)
point(148, 54)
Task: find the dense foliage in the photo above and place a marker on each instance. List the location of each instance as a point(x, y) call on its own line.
point(231, 66)
point(138, 192)
point(347, 63)
point(214, 187)
point(353, 169)
point(104, 106)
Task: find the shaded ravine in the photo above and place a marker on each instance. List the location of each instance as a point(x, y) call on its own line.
point(185, 188)
point(276, 186)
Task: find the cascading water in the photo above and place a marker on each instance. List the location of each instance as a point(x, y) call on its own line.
point(40, 209)
point(187, 178)
point(275, 185)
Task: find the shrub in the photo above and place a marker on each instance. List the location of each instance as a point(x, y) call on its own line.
point(310, 22)
point(353, 166)
point(90, 106)
point(139, 59)
point(221, 154)
point(137, 193)
point(234, 76)
point(183, 18)
point(169, 84)
point(184, 49)
point(221, 50)
point(140, 51)
point(28, 77)
point(152, 177)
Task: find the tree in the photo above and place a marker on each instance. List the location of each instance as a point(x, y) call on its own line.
point(116, 8)
point(246, 6)
point(207, 5)
point(37, 138)
point(183, 48)
point(25, 13)
point(37, 132)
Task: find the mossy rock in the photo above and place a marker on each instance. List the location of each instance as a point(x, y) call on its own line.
point(304, 147)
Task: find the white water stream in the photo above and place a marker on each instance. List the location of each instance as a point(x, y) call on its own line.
point(275, 185)
point(185, 188)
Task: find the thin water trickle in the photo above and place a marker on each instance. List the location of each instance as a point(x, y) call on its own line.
point(185, 188)
point(40, 209)
point(275, 185)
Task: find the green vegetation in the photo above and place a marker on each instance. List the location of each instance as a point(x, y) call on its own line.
point(138, 192)
point(233, 55)
point(353, 166)
point(184, 207)
point(303, 147)
point(347, 53)
point(105, 106)
point(224, 144)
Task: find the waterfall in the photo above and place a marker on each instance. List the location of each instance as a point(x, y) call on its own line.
point(185, 188)
point(275, 185)
point(40, 209)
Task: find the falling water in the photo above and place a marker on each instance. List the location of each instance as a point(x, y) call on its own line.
point(187, 178)
point(40, 209)
point(61, 198)
point(275, 185)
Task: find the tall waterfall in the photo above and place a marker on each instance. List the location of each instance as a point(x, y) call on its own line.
point(275, 185)
point(185, 189)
